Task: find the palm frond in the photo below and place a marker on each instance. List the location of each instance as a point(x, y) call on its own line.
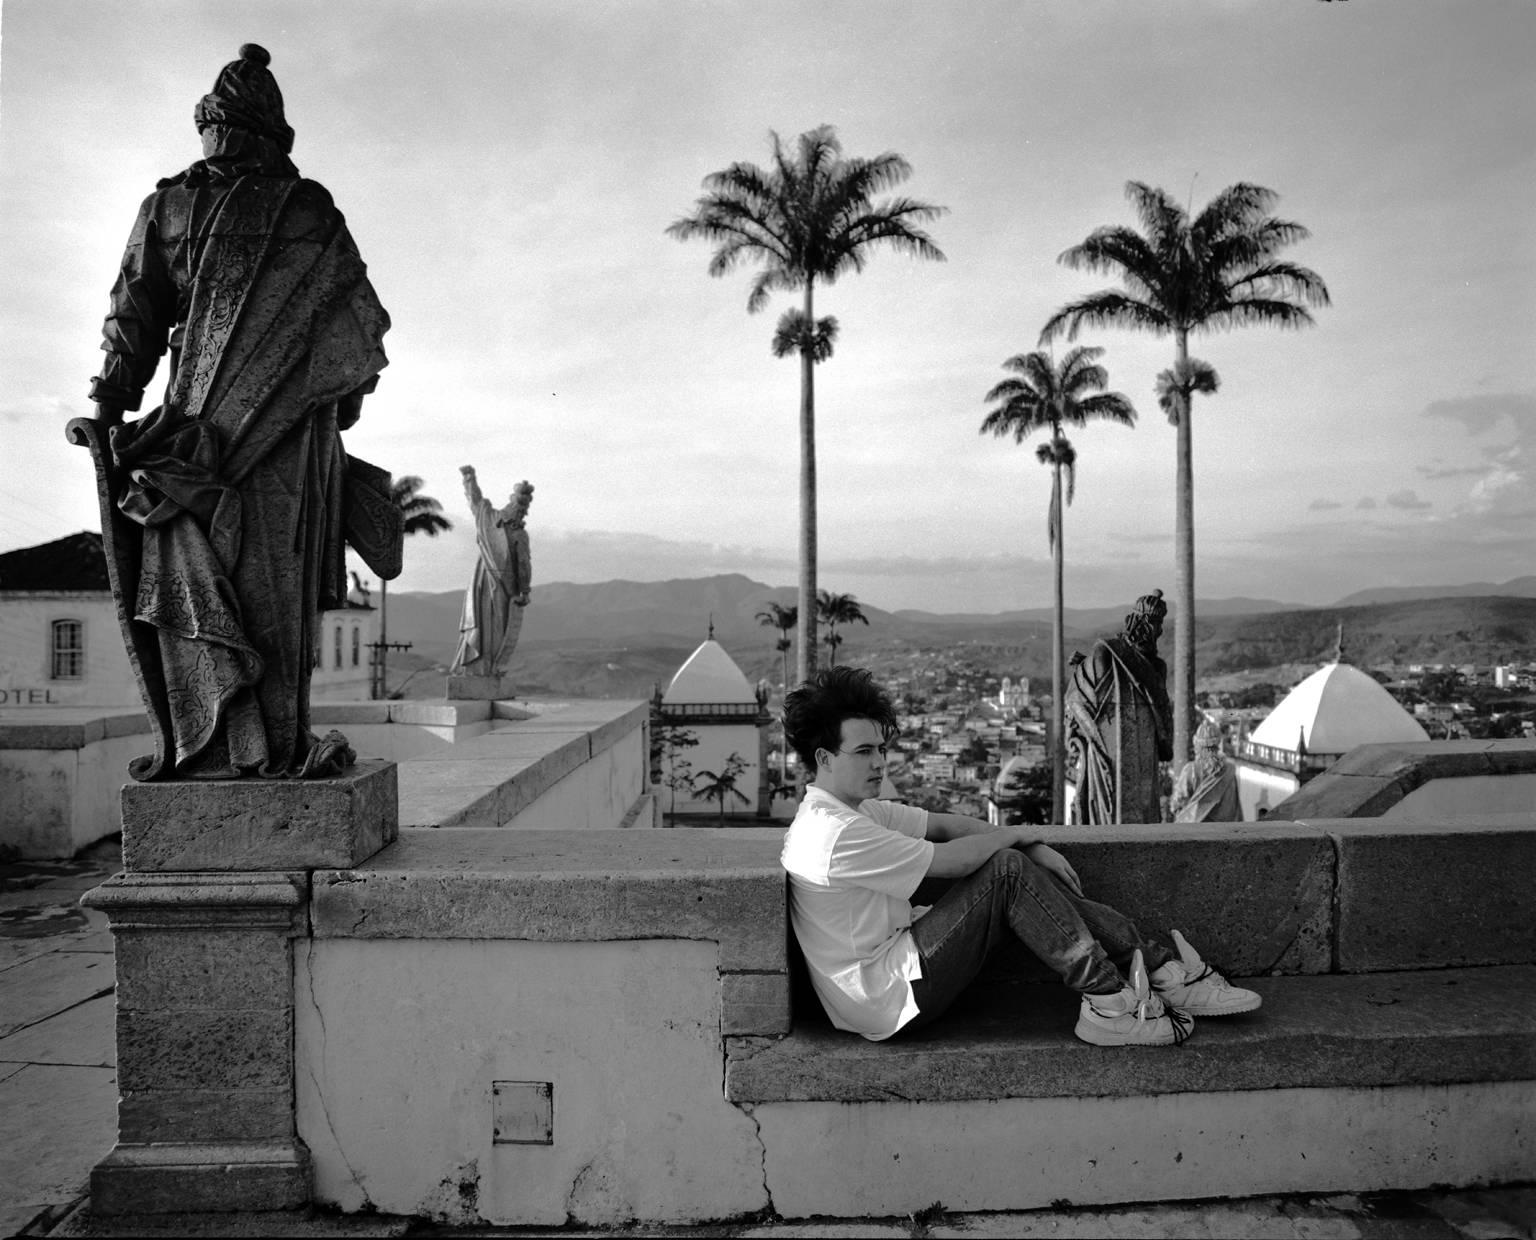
point(1109, 308)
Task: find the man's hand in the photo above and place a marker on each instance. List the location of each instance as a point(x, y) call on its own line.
point(1047, 858)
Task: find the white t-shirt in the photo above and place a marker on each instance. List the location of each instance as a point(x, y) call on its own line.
point(851, 873)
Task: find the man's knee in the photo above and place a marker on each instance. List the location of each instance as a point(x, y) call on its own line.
point(1008, 861)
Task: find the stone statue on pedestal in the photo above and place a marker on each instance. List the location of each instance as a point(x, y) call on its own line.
point(1206, 789)
point(225, 509)
point(1120, 721)
point(502, 584)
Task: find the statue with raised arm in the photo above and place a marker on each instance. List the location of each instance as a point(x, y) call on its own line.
point(1120, 721)
point(1206, 789)
point(225, 508)
point(501, 586)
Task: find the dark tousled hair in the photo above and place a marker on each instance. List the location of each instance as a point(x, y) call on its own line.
point(814, 713)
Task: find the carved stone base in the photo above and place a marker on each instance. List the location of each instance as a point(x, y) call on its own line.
point(261, 824)
point(480, 688)
point(195, 1178)
point(204, 1043)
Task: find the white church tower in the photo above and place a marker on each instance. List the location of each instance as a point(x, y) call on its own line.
point(711, 698)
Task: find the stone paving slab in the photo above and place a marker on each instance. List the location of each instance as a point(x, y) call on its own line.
point(56, 1123)
point(41, 987)
point(82, 1035)
point(1016, 1042)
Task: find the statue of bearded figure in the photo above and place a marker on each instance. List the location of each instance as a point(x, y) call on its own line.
point(1120, 721)
point(225, 509)
point(1206, 789)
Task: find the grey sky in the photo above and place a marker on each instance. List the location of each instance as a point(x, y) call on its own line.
point(508, 170)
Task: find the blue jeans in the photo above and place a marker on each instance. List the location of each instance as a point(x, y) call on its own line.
point(1089, 945)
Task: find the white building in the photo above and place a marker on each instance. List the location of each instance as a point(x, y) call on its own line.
point(711, 698)
point(61, 643)
point(1333, 710)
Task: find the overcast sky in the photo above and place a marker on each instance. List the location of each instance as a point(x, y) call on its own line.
point(508, 171)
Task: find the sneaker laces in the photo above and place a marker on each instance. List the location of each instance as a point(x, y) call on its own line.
point(1182, 1022)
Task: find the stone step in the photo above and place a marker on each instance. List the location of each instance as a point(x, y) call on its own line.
point(1014, 1040)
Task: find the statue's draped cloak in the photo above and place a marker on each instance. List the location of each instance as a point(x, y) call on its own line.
point(237, 480)
point(491, 621)
point(1118, 729)
point(1206, 791)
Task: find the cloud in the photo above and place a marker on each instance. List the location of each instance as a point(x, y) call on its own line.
point(1453, 471)
point(1408, 500)
point(1366, 502)
point(1482, 413)
point(1323, 505)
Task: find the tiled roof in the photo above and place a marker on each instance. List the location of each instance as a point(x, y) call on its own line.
point(73, 563)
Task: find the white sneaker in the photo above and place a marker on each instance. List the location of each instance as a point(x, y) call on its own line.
point(1192, 986)
point(1133, 1016)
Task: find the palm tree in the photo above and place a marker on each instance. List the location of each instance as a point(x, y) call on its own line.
point(1179, 275)
point(423, 515)
point(719, 787)
point(783, 619)
point(810, 216)
point(1039, 396)
point(835, 609)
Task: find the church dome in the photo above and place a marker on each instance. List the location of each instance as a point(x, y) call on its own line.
point(1334, 709)
point(710, 677)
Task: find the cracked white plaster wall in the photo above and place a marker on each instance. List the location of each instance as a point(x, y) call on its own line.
point(398, 1043)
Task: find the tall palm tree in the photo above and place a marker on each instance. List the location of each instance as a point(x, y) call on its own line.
point(810, 216)
point(1179, 275)
point(783, 619)
point(1042, 396)
point(835, 609)
point(423, 515)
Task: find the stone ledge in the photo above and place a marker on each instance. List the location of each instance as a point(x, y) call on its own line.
point(69, 733)
point(1372, 778)
point(1015, 1041)
point(722, 886)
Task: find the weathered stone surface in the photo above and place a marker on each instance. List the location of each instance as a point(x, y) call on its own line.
point(1343, 795)
point(254, 824)
point(202, 900)
point(1016, 1042)
point(439, 714)
point(187, 970)
point(754, 1003)
point(1252, 898)
point(251, 1049)
point(190, 1177)
point(568, 886)
point(480, 688)
point(168, 1115)
point(1424, 897)
point(39, 988)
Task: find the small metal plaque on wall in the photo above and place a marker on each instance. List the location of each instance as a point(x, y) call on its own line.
point(522, 1112)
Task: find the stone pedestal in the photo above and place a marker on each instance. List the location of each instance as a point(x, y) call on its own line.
point(480, 688)
point(215, 888)
point(261, 824)
point(204, 1043)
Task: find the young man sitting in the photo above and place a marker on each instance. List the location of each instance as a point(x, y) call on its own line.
point(879, 965)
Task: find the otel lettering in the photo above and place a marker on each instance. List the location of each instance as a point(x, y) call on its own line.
point(27, 697)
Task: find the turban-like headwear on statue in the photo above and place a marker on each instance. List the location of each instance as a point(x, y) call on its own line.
point(523, 488)
point(1151, 605)
point(1208, 736)
point(245, 96)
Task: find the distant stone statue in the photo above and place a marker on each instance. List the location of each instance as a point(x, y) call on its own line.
point(1120, 722)
point(493, 605)
point(1206, 789)
point(225, 508)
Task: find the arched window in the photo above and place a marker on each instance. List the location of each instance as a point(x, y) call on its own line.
point(357, 646)
point(338, 647)
point(68, 650)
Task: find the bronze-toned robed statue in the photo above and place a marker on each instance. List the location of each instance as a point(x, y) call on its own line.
point(225, 508)
point(1120, 721)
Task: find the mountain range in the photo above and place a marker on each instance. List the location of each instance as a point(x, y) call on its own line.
point(619, 638)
